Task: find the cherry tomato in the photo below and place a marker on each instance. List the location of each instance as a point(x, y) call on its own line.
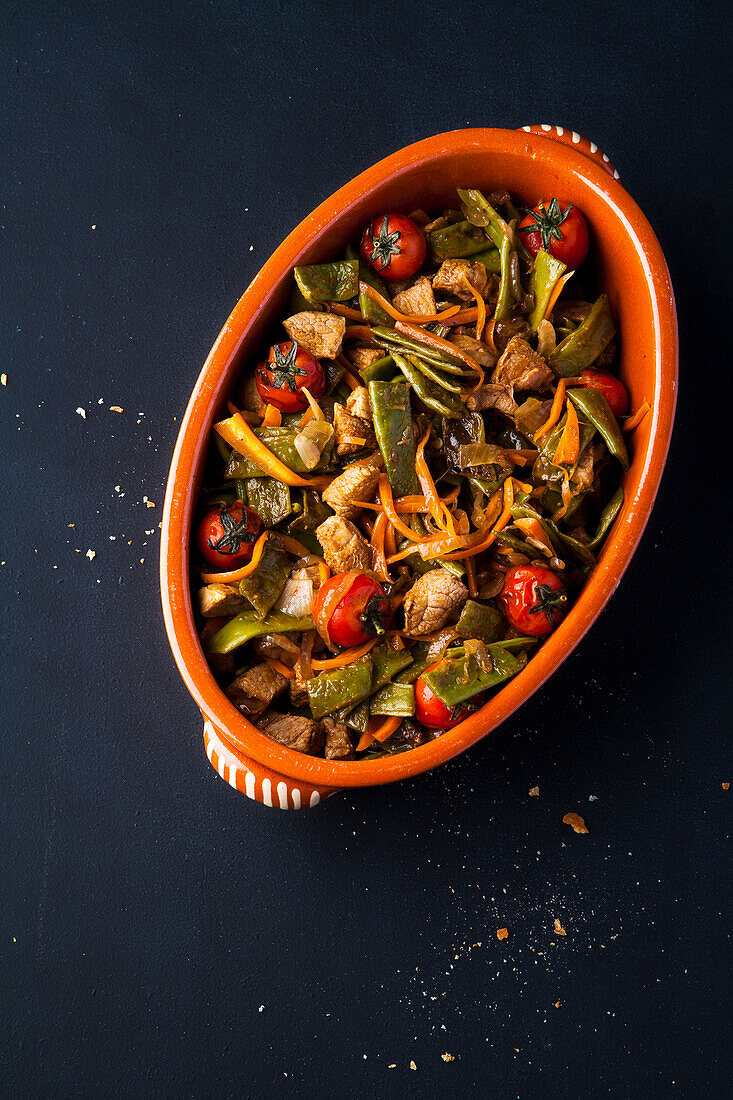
point(612, 389)
point(431, 712)
point(560, 229)
point(533, 599)
point(288, 368)
point(362, 612)
point(227, 534)
point(394, 246)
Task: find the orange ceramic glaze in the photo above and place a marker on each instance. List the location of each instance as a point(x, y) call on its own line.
point(532, 163)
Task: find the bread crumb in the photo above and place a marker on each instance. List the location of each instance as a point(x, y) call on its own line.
point(559, 930)
point(412, 1065)
point(91, 554)
point(116, 409)
point(392, 1065)
point(534, 792)
point(448, 1057)
point(82, 412)
point(725, 786)
point(3, 379)
point(576, 822)
point(149, 504)
point(557, 1004)
point(502, 933)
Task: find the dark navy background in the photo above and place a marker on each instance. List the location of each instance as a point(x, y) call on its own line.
point(160, 935)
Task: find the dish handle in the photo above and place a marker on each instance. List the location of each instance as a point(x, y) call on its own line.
point(571, 137)
point(255, 780)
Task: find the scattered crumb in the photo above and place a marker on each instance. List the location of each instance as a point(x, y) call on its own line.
point(502, 933)
point(448, 1057)
point(116, 409)
point(71, 525)
point(82, 412)
point(91, 554)
point(94, 227)
point(392, 1065)
point(261, 1008)
point(592, 797)
point(725, 786)
point(576, 822)
point(557, 1004)
point(3, 379)
point(559, 930)
point(534, 792)
point(149, 504)
point(412, 1065)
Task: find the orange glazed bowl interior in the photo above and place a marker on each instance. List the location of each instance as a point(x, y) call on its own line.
point(630, 267)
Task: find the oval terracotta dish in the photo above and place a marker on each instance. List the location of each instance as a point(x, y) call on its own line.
point(532, 163)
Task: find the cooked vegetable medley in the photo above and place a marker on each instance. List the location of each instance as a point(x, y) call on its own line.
point(415, 481)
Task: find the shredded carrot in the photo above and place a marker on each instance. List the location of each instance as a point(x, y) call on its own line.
point(235, 575)
point(426, 481)
point(351, 380)
point(488, 539)
point(390, 540)
point(566, 495)
point(437, 343)
point(385, 729)
point(489, 335)
point(284, 670)
point(345, 311)
point(480, 307)
point(364, 741)
point(238, 434)
point(359, 332)
point(557, 403)
point(424, 319)
point(556, 292)
point(533, 529)
point(378, 546)
point(293, 546)
point(306, 417)
point(523, 486)
point(568, 448)
point(406, 505)
point(343, 659)
point(465, 317)
point(323, 570)
point(637, 417)
point(471, 577)
point(385, 495)
point(419, 217)
point(272, 418)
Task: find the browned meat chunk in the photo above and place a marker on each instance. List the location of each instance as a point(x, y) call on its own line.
point(300, 734)
point(262, 683)
point(490, 396)
point(248, 396)
point(343, 546)
point(521, 367)
point(220, 599)
point(220, 662)
point(353, 433)
point(584, 473)
point(299, 685)
point(451, 274)
point(362, 357)
point(339, 745)
point(355, 483)
point(437, 223)
point(418, 300)
point(432, 600)
point(321, 334)
point(358, 403)
point(477, 349)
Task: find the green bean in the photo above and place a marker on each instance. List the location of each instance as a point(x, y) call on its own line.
point(381, 370)
point(334, 282)
point(479, 211)
point(491, 260)
point(396, 700)
point(406, 344)
point(457, 241)
point(558, 539)
point(504, 297)
point(392, 414)
point(438, 400)
point(246, 626)
point(608, 515)
point(455, 681)
point(386, 663)
point(328, 691)
point(595, 407)
point(547, 270)
point(263, 586)
point(583, 346)
point(481, 621)
point(370, 311)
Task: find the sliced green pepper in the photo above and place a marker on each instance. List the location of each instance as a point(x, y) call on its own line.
point(334, 282)
point(434, 397)
point(396, 700)
point(328, 691)
point(491, 259)
point(386, 663)
point(547, 270)
point(481, 621)
point(356, 718)
point(281, 441)
point(269, 498)
point(608, 515)
point(479, 211)
point(370, 311)
point(455, 681)
point(263, 586)
point(583, 346)
point(246, 626)
point(595, 407)
point(392, 414)
point(457, 241)
point(381, 370)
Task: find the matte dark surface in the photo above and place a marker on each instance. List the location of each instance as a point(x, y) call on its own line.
point(161, 936)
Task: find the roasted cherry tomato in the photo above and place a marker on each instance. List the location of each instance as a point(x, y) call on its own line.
point(288, 369)
point(560, 229)
point(227, 534)
point(612, 389)
point(533, 599)
point(394, 246)
point(431, 712)
point(363, 611)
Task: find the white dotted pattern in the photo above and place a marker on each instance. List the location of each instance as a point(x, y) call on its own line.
point(575, 138)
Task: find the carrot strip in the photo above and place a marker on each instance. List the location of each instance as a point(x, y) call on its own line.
point(331, 602)
point(345, 311)
point(364, 741)
point(390, 541)
point(343, 659)
point(379, 532)
point(238, 434)
point(555, 411)
point(235, 575)
point(465, 317)
point(359, 332)
point(424, 319)
point(437, 343)
point(407, 505)
point(385, 495)
point(556, 292)
point(306, 417)
point(489, 336)
point(638, 416)
point(568, 448)
point(350, 378)
point(273, 418)
point(566, 495)
point(426, 482)
point(385, 729)
point(480, 307)
point(501, 522)
point(533, 529)
point(284, 670)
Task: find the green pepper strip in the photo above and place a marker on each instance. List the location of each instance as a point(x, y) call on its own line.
point(436, 399)
point(381, 370)
point(457, 241)
point(333, 282)
point(547, 270)
point(608, 515)
point(595, 407)
point(407, 345)
point(504, 298)
point(558, 539)
point(269, 498)
point(583, 346)
point(479, 211)
point(328, 691)
point(491, 260)
point(455, 681)
point(263, 587)
point(246, 626)
point(395, 700)
point(392, 414)
point(481, 621)
point(370, 311)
